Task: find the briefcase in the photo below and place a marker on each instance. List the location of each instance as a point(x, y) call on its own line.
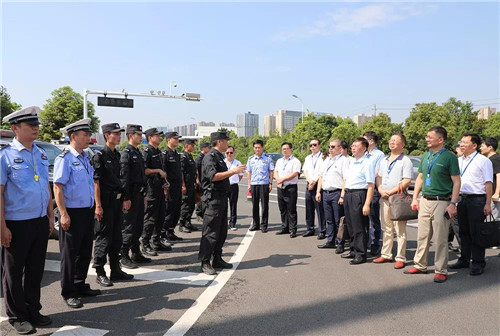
point(488, 234)
point(400, 206)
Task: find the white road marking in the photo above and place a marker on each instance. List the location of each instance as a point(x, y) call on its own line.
point(149, 274)
point(70, 330)
point(190, 316)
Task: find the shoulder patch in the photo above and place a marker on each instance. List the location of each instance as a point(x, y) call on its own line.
point(64, 152)
point(18, 160)
point(76, 163)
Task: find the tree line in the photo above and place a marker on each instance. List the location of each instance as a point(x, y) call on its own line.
point(65, 106)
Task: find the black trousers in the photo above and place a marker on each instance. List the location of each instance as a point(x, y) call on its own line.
point(187, 205)
point(470, 215)
point(375, 220)
point(173, 207)
point(108, 231)
point(287, 203)
point(154, 215)
point(313, 206)
point(454, 231)
point(333, 212)
point(214, 232)
point(233, 204)
point(357, 224)
point(133, 224)
point(22, 267)
point(76, 251)
point(260, 193)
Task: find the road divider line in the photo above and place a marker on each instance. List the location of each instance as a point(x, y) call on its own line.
point(190, 316)
point(71, 330)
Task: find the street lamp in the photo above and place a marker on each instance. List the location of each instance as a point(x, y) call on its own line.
point(174, 84)
point(302, 103)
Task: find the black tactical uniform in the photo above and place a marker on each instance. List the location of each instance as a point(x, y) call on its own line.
point(172, 166)
point(198, 161)
point(154, 214)
point(215, 199)
point(189, 171)
point(133, 182)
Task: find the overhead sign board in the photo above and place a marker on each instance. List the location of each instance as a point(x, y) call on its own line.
point(115, 102)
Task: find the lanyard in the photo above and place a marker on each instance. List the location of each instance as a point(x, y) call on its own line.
point(84, 165)
point(331, 164)
point(285, 164)
point(430, 165)
point(32, 164)
point(230, 165)
point(317, 158)
point(392, 164)
point(462, 172)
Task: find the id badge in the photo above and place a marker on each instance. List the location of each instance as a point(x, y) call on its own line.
point(427, 181)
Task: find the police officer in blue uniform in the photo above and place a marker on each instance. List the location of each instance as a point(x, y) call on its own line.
point(215, 182)
point(27, 219)
point(74, 194)
point(108, 210)
point(154, 214)
point(133, 179)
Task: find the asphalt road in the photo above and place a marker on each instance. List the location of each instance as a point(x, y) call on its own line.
point(282, 286)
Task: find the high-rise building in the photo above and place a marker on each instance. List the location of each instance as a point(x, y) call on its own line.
point(286, 120)
point(486, 112)
point(361, 118)
point(269, 124)
point(247, 124)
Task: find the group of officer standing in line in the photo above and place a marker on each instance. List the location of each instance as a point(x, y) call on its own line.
point(139, 196)
point(130, 201)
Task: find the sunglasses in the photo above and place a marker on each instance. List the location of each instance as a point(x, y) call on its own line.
point(229, 153)
point(332, 147)
point(313, 145)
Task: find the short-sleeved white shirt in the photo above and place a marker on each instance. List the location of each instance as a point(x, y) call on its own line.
point(475, 171)
point(334, 171)
point(236, 177)
point(285, 167)
point(392, 172)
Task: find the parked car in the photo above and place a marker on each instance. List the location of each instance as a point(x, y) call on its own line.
point(415, 160)
point(275, 157)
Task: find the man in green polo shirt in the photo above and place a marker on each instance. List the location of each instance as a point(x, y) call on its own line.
point(439, 180)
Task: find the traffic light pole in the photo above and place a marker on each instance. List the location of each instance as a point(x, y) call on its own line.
point(161, 94)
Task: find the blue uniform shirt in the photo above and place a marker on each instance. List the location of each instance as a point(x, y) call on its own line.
point(76, 174)
point(260, 168)
point(24, 197)
point(376, 156)
point(360, 173)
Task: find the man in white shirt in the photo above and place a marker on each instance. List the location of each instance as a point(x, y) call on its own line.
point(233, 186)
point(394, 174)
point(330, 184)
point(476, 172)
point(286, 173)
point(311, 169)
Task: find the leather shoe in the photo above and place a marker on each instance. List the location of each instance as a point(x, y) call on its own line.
point(219, 263)
point(74, 303)
point(414, 270)
point(381, 260)
point(148, 250)
point(207, 268)
point(349, 255)
point(254, 228)
point(165, 245)
point(89, 292)
point(340, 249)
point(191, 227)
point(282, 231)
point(125, 262)
point(374, 250)
point(476, 271)
point(184, 229)
point(308, 233)
point(172, 237)
point(357, 261)
point(321, 236)
point(327, 246)
point(118, 274)
point(399, 264)
point(40, 320)
point(439, 278)
point(459, 264)
point(103, 280)
point(263, 229)
point(23, 328)
point(293, 234)
point(140, 259)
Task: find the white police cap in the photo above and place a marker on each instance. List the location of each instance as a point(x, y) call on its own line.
point(28, 114)
point(80, 125)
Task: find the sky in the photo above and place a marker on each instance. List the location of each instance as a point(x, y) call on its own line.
point(338, 57)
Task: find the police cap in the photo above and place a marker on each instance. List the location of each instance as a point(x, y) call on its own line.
point(169, 135)
point(80, 125)
point(131, 128)
point(219, 136)
point(152, 131)
point(28, 115)
point(113, 127)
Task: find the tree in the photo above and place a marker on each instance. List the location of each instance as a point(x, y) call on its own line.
point(493, 126)
point(463, 119)
point(347, 131)
point(382, 126)
point(64, 107)
point(7, 106)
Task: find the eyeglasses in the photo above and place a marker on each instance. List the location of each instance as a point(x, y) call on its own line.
point(229, 153)
point(313, 145)
point(332, 147)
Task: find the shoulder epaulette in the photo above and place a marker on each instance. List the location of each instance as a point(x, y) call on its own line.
point(64, 152)
point(126, 150)
point(6, 146)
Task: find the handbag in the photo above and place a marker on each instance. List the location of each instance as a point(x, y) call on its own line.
point(488, 233)
point(342, 228)
point(400, 206)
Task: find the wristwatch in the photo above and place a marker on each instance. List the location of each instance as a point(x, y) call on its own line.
point(454, 203)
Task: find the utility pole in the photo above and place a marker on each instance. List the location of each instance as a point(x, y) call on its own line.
point(375, 109)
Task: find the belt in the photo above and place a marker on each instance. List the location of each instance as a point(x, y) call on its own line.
point(332, 191)
point(437, 198)
point(472, 195)
point(355, 190)
point(288, 185)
